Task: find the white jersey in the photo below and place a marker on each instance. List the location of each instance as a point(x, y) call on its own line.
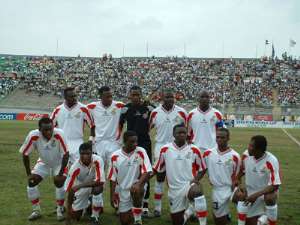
point(80, 173)
point(180, 164)
point(202, 127)
point(222, 167)
point(164, 121)
point(106, 120)
point(126, 169)
point(50, 152)
point(260, 173)
point(72, 120)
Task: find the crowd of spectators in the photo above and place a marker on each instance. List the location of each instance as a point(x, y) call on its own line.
point(230, 81)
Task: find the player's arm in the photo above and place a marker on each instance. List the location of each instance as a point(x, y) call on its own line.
point(269, 189)
point(26, 149)
point(63, 147)
point(123, 117)
point(90, 121)
point(200, 164)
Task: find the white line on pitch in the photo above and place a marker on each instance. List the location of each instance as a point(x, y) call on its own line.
point(291, 137)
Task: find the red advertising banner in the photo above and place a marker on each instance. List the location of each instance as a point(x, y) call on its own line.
point(30, 116)
point(263, 117)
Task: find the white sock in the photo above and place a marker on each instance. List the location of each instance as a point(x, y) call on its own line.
point(242, 210)
point(60, 197)
point(271, 212)
point(158, 193)
point(97, 205)
point(201, 209)
point(188, 212)
point(137, 213)
point(34, 196)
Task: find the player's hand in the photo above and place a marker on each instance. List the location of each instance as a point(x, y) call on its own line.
point(114, 200)
point(251, 199)
point(76, 188)
point(59, 180)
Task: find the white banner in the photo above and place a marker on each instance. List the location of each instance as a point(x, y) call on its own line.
point(266, 124)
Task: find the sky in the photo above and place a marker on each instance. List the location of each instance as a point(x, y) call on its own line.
point(195, 28)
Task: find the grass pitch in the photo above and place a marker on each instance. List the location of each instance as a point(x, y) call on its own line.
point(15, 207)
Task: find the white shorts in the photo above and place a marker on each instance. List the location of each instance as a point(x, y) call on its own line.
point(81, 199)
point(125, 203)
point(105, 149)
point(45, 170)
point(74, 145)
point(157, 148)
point(178, 199)
point(221, 197)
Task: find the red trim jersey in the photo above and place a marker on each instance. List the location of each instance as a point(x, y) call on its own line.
point(180, 164)
point(72, 120)
point(202, 127)
point(260, 173)
point(222, 167)
point(50, 152)
point(80, 173)
point(164, 121)
point(126, 169)
point(106, 120)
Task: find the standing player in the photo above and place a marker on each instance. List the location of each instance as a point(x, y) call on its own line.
point(53, 157)
point(130, 168)
point(70, 117)
point(203, 122)
point(164, 118)
point(223, 166)
point(184, 168)
point(262, 179)
point(86, 177)
point(137, 114)
point(106, 114)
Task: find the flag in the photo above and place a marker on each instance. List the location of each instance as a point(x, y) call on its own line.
point(292, 43)
point(273, 51)
point(267, 42)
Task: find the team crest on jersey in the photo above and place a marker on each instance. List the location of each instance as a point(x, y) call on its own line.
point(145, 115)
point(77, 115)
point(113, 111)
point(53, 144)
point(228, 162)
point(212, 120)
point(188, 156)
point(177, 119)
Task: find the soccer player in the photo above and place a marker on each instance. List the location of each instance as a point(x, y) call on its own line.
point(184, 168)
point(223, 166)
point(70, 117)
point(86, 178)
point(130, 168)
point(137, 114)
point(53, 155)
point(164, 118)
point(106, 114)
point(262, 180)
point(203, 122)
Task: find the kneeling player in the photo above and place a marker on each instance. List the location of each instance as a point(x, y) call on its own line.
point(184, 168)
point(130, 168)
point(85, 179)
point(261, 170)
point(223, 165)
point(53, 156)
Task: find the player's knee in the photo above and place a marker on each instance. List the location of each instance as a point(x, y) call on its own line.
point(59, 182)
point(238, 196)
point(97, 190)
point(270, 199)
point(194, 192)
point(33, 181)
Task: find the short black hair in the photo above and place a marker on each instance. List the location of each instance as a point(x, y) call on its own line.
point(167, 90)
point(128, 134)
point(136, 88)
point(85, 146)
point(103, 89)
point(260, 142)
point(224, 129)
point(44, 120)
point(177, 126)
point(68, 89)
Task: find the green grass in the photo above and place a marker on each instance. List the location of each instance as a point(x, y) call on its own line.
point(15, 207)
